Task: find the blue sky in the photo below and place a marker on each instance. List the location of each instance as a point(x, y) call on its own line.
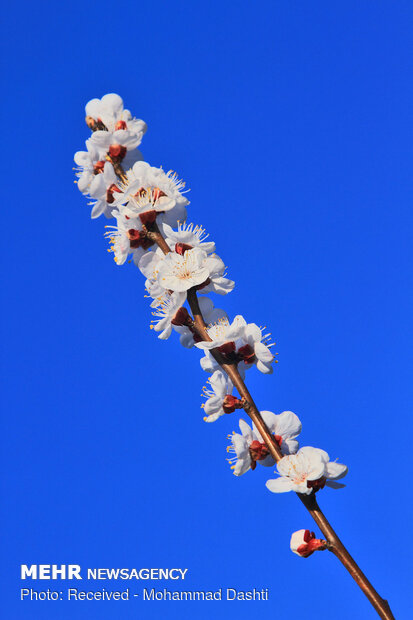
point(291, 123)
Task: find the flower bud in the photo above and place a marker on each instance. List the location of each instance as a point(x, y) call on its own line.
point(304, 543)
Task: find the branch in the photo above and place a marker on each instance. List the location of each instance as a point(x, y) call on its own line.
point(334, 543)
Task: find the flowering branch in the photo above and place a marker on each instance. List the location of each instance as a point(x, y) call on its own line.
point(180, 266)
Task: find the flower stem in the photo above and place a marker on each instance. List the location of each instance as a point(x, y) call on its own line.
point(334, 543)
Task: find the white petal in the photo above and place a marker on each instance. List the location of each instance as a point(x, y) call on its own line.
point(267, 370)
point(263, 353)
point(335, 471)
point(288, 425)
point(246, 431)
point(279, 485)
point(253, 333)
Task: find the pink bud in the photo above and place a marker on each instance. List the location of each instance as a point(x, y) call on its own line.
point(304, 543)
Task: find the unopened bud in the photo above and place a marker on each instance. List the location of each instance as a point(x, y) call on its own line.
point(304, 543)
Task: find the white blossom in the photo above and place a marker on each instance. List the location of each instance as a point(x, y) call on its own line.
point(151, 189)
point(285, 427)
point(239, 341)
point(308, 469)
point(250, 448)
point(210, 314)
point(102, 188)
point(220, 386)
point(149, 264)
point(188, 234)
point(165, 313)
point(126, 239)
point(88, 165)
point(110, 111)
point(180, 272)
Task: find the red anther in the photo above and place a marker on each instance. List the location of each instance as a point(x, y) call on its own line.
point(258, 450)
point(109, 193)
point(246, 353)
point(316, 484)
point(227, 348)
point(148, 217)
point(181, 248)
point(98, 167)
point(120, 125)
point(181, 317)
point(230, 403)
point(117, 152)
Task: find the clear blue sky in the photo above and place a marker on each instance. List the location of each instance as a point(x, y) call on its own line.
point(292, 124)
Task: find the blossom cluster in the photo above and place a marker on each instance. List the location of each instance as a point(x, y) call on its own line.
point(146, 205)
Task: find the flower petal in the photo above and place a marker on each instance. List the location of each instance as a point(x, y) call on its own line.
point(279, 485)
